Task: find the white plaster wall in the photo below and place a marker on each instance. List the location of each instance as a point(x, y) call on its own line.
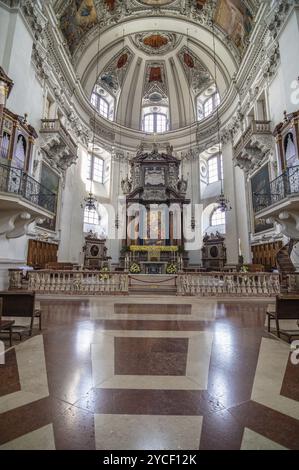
point(277, 99)
point(242, 215)
point(4, 29)
point(289, 51)
point(283, 91)
point(71, 215)
point(15, 54)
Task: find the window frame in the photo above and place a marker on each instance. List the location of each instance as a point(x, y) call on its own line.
point(155, 122)
point(86, 219)
point(219, 171)
point(91, 169)
point(201, 106)
point(98, 100)
point(216, 211)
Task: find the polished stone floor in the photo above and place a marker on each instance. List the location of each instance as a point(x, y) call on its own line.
point(149, 373)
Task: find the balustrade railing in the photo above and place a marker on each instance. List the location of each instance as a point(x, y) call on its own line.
point(16, 181)
point(76, 282)
point(283, 186)
point(255, 127)
point(55, 126)
point(231, 284)
point(112, 283)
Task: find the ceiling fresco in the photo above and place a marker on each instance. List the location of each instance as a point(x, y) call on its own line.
point(79, 17)
point(156, 3)
point(232, 18)
point(235, 19)
point(156, 43)
point(155, 88)
point(197, 75)
point(114, 73)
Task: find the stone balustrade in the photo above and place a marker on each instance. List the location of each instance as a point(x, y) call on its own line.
point(70, 282)
point(189, 284)
point(230, 284)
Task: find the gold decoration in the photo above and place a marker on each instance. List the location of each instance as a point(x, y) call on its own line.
point(154, 248)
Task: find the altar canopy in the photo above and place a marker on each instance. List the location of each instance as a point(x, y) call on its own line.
point(155, 197)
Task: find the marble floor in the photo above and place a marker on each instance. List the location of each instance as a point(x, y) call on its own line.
point(150, 373)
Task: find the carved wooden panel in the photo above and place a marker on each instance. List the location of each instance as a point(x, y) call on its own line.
point(40, 253)
point(265, 254)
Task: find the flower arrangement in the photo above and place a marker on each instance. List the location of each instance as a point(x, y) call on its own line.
point(171, 268)
point(104, 276)
point(135, 268)
point(244, 269)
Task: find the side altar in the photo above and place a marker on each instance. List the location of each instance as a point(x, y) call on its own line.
point(155, 200)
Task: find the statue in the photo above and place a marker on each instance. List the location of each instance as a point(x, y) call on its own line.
point(169, 150)
point(155, 148)
point(126, 185)
point(182, 185)
point(140, 150)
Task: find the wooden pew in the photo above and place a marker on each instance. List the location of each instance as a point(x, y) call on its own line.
point(20, 304)
point(286, 308)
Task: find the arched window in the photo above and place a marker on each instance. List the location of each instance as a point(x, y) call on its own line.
point(95, 169)
point(155, 122)
point(100, 104)
point(103, 101)
point(215, 169)
point(217, 218)
point(91, 219)
point(207, 103)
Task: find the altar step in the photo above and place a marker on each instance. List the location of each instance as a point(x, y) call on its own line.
point(155, 290)
point(147, 284)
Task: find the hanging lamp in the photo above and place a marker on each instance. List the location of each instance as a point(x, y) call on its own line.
point(221, 201)
point(90, 202)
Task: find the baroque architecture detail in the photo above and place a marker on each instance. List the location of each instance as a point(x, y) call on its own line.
point(156, 43)
point(58, 145)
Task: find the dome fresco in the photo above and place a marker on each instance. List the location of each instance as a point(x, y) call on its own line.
point(137, 79)
point(156, 2)
point(155, 62)
point(232, 17)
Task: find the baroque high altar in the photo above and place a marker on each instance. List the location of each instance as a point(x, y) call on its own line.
point(155, 199)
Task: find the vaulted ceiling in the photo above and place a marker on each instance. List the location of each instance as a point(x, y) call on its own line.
point(174, 36)
point(153, 68)
point(234, 17)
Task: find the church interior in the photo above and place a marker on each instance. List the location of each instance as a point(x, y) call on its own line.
point(149, 225)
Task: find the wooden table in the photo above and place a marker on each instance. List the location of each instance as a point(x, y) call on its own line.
point(7, 325)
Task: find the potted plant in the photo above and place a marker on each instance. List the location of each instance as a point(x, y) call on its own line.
point(244, 269)
point(171, 268)
point(103, 273)
point(135, 268)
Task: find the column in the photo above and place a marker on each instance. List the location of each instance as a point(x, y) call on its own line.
point(232, 238)
point(194, 191)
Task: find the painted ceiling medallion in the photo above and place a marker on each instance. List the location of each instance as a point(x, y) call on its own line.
point(197, 74)
point(188, 60)
point(156, 43)
point(122, 61)
point(156, 3)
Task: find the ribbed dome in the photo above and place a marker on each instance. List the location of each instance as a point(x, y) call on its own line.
point(152, 71)
point(156, 52)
